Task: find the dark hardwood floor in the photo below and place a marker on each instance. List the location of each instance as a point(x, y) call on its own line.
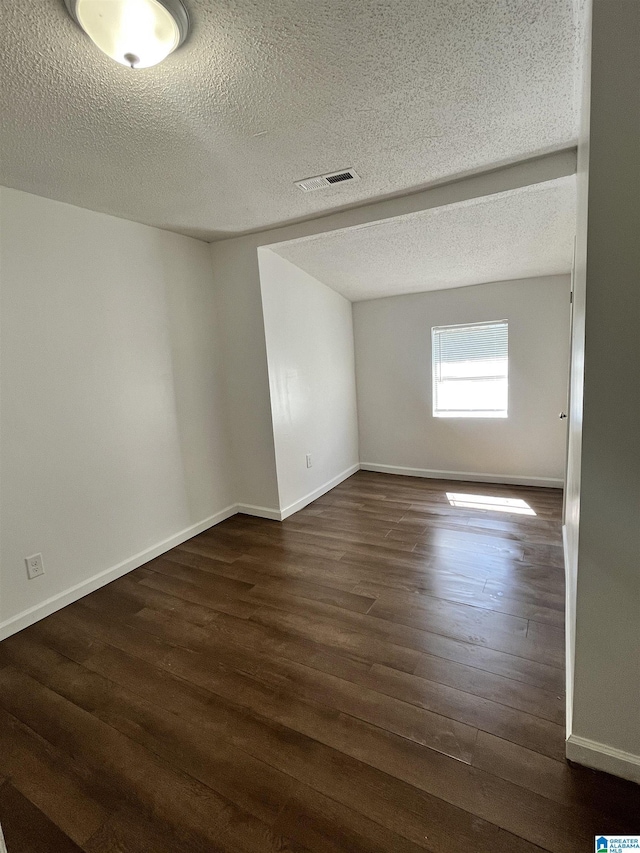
point(380, 672)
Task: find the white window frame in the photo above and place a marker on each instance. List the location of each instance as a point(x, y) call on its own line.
point(436, 338)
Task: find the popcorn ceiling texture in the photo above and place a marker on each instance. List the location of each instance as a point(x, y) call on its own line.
point(519, 234)
point(408, 92)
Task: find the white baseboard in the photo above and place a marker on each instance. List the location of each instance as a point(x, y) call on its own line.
point(259, 511)
point(599, 756)
point(317, 493)
point(68, 596)
point(61, 599)
point(56, 602)
point(508, 479)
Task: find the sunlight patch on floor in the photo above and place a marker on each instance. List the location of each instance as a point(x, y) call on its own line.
point(512, 505)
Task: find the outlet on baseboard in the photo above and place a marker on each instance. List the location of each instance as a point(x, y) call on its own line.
point(35, 566)
point(309, 463)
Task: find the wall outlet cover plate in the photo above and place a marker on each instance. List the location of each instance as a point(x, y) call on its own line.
point(35, 566)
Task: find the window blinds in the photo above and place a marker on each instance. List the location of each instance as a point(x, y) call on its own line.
point(471, 370)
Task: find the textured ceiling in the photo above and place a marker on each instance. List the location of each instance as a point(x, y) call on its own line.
point(266, 92)
point(518, 234)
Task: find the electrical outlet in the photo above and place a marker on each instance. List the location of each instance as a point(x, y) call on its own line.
point(308, 460)
point(35, 566)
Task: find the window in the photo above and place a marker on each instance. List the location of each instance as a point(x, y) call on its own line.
point(471, 370)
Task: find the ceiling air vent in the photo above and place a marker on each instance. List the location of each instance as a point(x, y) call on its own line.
point(322, 181)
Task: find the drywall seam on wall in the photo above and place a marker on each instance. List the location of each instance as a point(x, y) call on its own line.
point(68, 596)
point(515, 480)
point(599, 756)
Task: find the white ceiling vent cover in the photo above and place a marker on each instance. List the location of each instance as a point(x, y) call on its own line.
point(320, 182)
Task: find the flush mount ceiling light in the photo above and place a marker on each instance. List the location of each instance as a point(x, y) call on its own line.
point(136, 33)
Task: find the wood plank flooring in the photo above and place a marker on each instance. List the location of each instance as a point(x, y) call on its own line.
point(380, 672)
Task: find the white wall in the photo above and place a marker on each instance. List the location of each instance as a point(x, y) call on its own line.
point(571, 521)
point(309, 339)
point(135, 394)
point(236, 280)
point(237, 283)
point(393, 374)
point(606, 720)
point(113, 432)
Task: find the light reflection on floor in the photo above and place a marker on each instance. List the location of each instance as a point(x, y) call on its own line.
point(486, 502)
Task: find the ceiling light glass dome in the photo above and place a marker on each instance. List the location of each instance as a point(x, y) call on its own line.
point(136, 33)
